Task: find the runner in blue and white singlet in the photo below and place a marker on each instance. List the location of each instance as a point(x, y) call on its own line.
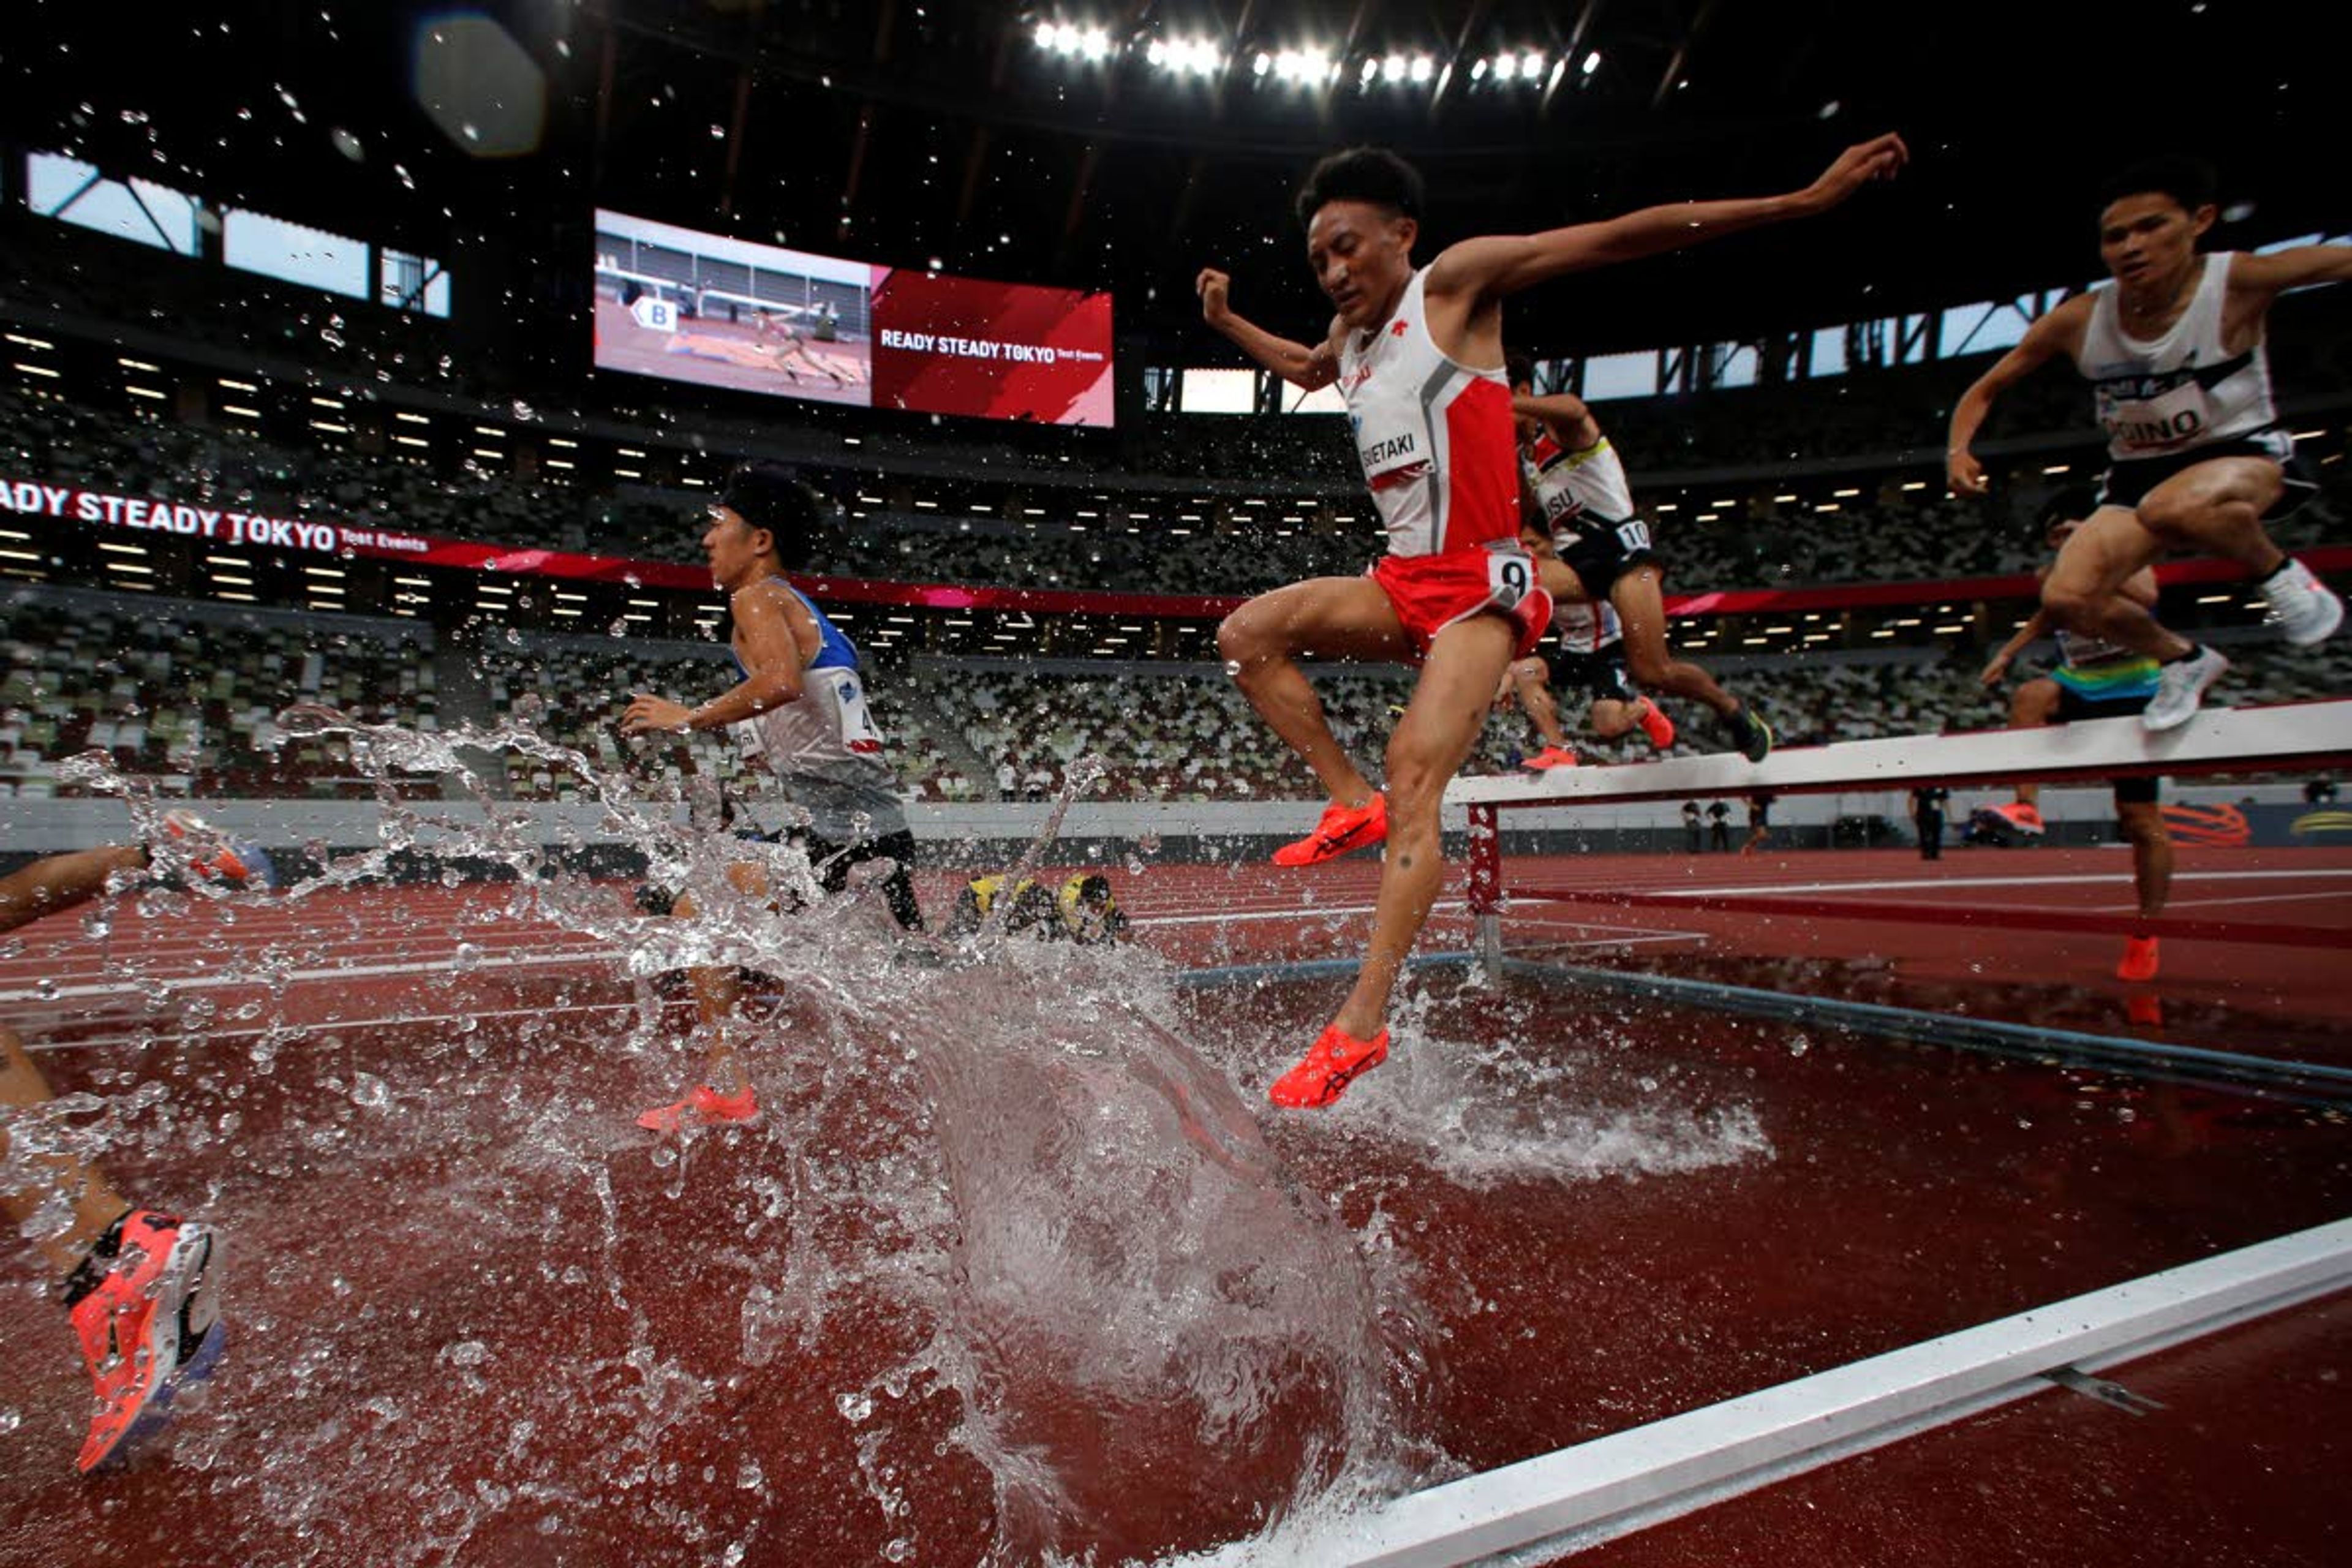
point(800, 710)
point(822, 752)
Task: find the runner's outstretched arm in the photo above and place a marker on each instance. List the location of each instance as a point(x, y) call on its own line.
point(1498, 265)
point(2294, 269)
point(1312, 368)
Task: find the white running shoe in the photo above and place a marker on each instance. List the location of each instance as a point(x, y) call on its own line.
point(2304, 609)
point(2180, 687)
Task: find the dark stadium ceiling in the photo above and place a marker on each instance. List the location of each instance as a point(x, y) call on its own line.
point(905, 131)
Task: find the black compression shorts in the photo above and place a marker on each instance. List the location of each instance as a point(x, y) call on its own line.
point(1600, 552)
point(2127, 483)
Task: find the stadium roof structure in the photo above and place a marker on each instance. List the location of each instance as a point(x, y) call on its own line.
point(1126, 143)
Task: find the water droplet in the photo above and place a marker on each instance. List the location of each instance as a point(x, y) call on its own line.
point(467, 956)
point(1234, 667)
point(369, 1090)
point(855, 1408)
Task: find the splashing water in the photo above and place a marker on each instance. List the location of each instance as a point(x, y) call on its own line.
point(1007, 1273)
point(1001, 1237)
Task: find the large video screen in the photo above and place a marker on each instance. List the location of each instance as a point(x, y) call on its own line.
point(686, 306)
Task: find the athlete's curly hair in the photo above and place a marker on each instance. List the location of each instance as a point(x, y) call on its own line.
point(1372, 175)
point(773, 496)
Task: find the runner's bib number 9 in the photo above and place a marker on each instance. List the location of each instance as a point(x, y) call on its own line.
point(1510, 577)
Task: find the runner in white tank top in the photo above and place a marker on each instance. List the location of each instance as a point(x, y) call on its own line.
point(1418, 356)
point(2181, 390)
point(1602, 551)
point(2173, 349)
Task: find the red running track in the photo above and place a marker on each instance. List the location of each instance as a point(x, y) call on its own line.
point(1613, 1212)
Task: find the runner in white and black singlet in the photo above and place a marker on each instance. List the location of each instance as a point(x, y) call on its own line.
point(2173, 349)
point(1584, 658)
point(1418, 354)
point(1579, 486)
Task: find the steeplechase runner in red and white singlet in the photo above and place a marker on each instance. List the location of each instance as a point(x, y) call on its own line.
point(2174, 351)
point(1418, 354)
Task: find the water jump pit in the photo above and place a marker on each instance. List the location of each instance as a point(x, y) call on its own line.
point(1016, 1266)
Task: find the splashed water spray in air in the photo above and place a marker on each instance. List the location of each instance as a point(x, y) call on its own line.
point(1002, 1236)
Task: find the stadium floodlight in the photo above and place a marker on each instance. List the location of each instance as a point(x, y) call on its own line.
point(1423, 67)
point(1186, 57)
point(1260, 65)
point(1531, 65)
point(1394, 68)
point(1372, 71)
point(1505, 67)
point(1478, 71)
point(1592, 63)
point(1304, 67)
point(1091, 44)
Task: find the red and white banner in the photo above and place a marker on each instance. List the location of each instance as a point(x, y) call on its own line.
point(300, 536)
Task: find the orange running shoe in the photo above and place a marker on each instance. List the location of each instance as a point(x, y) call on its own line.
point(1551, 757)
point(1655, 724)
point(144, 1321)
point(214, 856)
point(2138, 960)
point(1342, 828)
point(2019, 816)
point(706, 1107)
point(1324, 1074)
